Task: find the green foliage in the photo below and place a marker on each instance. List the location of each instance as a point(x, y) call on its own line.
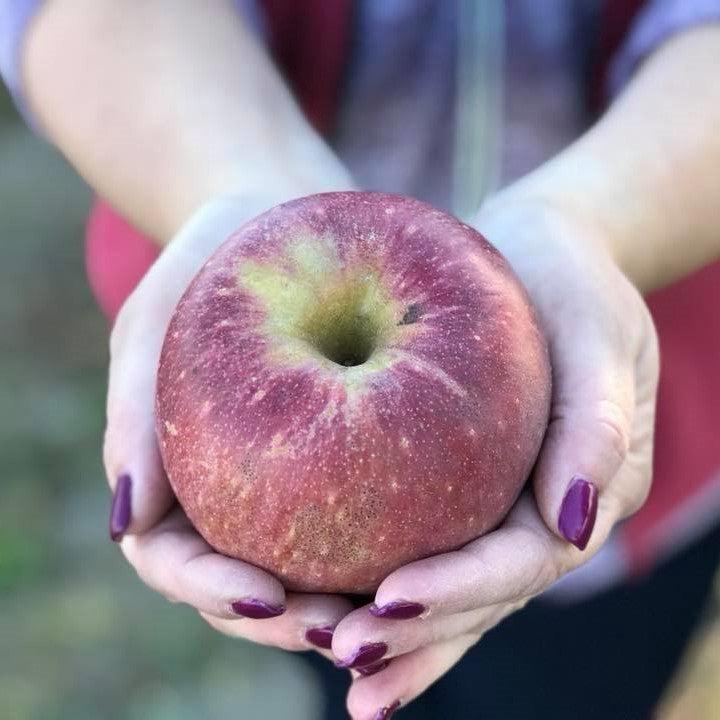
point(81, 637)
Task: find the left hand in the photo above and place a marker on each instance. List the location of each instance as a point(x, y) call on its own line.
point(593, 470)
point(154, 533)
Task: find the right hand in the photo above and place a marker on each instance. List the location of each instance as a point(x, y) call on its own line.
point(154, 533)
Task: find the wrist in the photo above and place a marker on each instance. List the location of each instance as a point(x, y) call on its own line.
point(580, 188)
point(260, 181)
point(541, 235)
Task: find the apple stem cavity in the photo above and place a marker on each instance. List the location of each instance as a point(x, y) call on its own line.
point(349, 321)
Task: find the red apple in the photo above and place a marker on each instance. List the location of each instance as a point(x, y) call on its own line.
point(353, 381)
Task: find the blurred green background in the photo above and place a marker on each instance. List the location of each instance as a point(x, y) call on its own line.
point(80, 637)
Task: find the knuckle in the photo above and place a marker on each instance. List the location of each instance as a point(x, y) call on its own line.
point(548, 570)
point(557, 562)
point(632, 505)
point(148, 577)
point(637, 493)
point(143, 572)
point(614, 425)
point(134, 554)
point(546, 567)
point(552, 569)
point(135, 557)
point(565, 559)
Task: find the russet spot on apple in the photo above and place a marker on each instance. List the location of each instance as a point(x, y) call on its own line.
point(356, 380)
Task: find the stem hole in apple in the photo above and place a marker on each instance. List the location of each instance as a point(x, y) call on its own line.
point(346, 339)
point(348, 321)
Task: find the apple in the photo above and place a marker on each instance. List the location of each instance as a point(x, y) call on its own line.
point(353, 381)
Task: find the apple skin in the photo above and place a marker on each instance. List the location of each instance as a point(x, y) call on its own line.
point(331, 475)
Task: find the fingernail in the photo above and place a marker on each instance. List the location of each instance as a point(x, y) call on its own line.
point(368, 670)
point(398, 610)
point(387, 712)
point(120, 509)
point(256, 609)
point(578, 511)
point(364, 655)
point(320, 636)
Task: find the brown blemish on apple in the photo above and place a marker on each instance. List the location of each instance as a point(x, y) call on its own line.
point(247, 472)
point(413, 313)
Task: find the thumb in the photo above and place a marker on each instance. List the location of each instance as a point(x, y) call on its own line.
point(142, 494)
point(587, 439)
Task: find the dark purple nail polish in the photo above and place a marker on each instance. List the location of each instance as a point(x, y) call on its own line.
point(387, 712)
point(320, 636)
point(578, 511)
point(367, 670)
point(364, 655)
point(256, 609)
point(120, 509)
point(398, 610)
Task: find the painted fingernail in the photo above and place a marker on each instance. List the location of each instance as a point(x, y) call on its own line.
point(368, 670)
point(398, 610)
point(120, 509)
point(387, 712)
point(364, 655)
point(320, 636)
point(256, 609)
point(578, 511)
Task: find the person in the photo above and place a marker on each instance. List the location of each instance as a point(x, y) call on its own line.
point(176, 115)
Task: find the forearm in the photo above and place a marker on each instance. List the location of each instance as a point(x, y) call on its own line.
point(648, 173)
point(162, 104)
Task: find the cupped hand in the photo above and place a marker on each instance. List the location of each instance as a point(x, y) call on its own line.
point(593, 469)
point(154, 534)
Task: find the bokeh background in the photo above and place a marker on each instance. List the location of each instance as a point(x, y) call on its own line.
point(80, 637)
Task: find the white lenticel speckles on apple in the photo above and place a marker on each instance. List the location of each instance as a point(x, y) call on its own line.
point(350, 366)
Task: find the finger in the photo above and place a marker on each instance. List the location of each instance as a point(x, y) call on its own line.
point(296, 628)
point(360, 633)
point(141, 492)
point(174, 560)
point(377, 696)
point(589, 433)
point(518, 560)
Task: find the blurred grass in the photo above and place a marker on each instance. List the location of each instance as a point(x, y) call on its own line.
point(80, 637)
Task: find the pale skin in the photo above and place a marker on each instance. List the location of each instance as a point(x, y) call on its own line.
point(171, 111)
